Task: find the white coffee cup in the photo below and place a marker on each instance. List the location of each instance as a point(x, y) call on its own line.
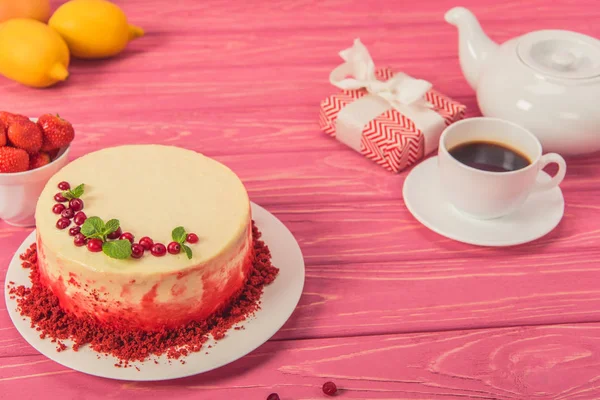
point(484, 194)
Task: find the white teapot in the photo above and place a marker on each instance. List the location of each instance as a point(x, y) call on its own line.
point(547, 81)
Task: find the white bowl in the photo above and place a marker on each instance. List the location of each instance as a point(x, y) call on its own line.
point(19, 191)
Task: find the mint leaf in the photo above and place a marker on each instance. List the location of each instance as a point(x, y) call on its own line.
point(179, 235)
point(78, 191)
point(74, 193)
point(111, 226)
point(93, 227)
point(187, 251)
point(119, 249)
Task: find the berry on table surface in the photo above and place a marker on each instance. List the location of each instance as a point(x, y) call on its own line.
point(329, 388)
point(273, 396)
point(158, 250)
point(146, 242)
point(74, 231)
point(94, 245)
point(25, 135)
point(80, 240)
point(60, 198)
point(2, 135)
point(76, 204)
point(192, 238)
point(127, 236)
point(137, 250)
point(13, 160)
point(64, 185)
point(67, 213)
point(63, 223)
point(56, 132)
point(116, 234)
point(58, 208)
point(79, 218)
point(174, 248)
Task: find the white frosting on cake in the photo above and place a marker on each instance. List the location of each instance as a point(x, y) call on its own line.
point(150, 189)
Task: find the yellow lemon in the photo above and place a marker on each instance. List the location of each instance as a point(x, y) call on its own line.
point(93, 28)
point(32, 53)
point(35, 9)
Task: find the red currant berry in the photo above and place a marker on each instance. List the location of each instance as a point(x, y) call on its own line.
point(158, 250)
point(63, 223)
point(329, 388)
point(79, 218)
point(64, 185)
point(174, 248)
point(80, 240)
point(146, 243)
point(126, 236)
point(137, 250)
point(192, 238)
point(67, 213)
point(273, 396)
point(76, 204)
point(116, 234)
point(94, 245)
point(74, 230)
point(60, 198)
point(58, 208)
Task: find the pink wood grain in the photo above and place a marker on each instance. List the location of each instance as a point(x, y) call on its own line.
point(544, 362)
point(241, 82)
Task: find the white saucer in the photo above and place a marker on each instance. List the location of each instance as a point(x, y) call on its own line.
point(277, 304)
point(424, 199)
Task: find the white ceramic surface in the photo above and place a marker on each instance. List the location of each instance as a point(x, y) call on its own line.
point(539, 215)
point(19, 192)
point(277, 304)
point(484, 194)
point(547, 81)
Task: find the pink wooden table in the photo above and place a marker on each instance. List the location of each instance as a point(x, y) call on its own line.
point(390, 310)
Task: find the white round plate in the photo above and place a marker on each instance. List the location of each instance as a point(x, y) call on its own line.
point(424, 199)
point(277, 304)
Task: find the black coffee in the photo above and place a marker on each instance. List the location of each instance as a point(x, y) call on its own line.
point(489, 156)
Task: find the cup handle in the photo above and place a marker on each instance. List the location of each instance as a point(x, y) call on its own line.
point(560, 174)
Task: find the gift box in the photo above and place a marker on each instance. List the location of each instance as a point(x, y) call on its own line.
point(389, 117)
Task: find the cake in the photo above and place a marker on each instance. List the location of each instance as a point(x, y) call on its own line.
point(195, 210)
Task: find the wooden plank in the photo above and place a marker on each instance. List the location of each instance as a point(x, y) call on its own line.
point(325, 178)
point(455, 292)
point(546, 362)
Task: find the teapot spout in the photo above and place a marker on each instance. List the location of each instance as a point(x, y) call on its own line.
point(474, 47)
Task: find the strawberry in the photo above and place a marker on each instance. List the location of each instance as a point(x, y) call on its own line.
point(53, 153)
point(57, 132)
point(39, 160)
point(2, 135)
point(25, 135)
point(6, 118)
point(13, 160)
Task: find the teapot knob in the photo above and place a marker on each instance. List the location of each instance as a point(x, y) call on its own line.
point(563, 59)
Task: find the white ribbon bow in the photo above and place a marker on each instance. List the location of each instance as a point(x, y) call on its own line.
point(401, 92)
point(358, 72)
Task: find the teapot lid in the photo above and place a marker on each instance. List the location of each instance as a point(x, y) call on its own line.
point(561, 54)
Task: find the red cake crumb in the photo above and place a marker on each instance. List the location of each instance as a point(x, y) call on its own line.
point(42, 306)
